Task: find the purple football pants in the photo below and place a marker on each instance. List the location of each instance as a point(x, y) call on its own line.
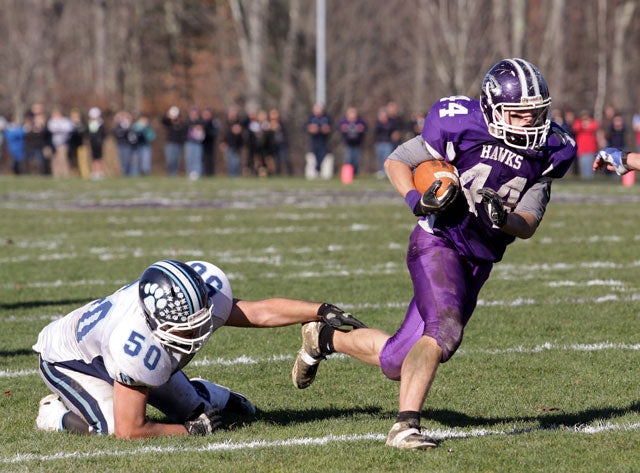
point(445, 292)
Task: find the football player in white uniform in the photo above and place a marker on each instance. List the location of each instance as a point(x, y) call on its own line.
point(107, 360)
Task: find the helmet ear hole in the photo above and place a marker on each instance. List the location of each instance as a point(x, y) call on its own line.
point(175, 303)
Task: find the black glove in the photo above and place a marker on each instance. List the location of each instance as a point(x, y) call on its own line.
point(336, 317)
point(493, 206)
point(205, 423)
point(430, 204)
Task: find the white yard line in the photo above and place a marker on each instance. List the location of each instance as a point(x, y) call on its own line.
point(247, 360)
point(440, 434)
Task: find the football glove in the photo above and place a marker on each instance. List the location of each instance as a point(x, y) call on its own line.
point(205, 423)
point(614, 157)
point(430, 204)
point(336, 317)
point(493, 206)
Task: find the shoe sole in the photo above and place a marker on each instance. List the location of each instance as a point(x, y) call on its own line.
point(303, 374)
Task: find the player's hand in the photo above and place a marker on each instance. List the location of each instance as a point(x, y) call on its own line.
point(613, 158)
point(494, 206)
point(337, 318)
point(205, 423)
point(430, 204)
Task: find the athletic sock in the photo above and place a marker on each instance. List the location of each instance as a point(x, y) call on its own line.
point(325, 340)
point(411, 417)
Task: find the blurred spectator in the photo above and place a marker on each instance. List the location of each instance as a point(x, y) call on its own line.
point(176, 136)
point(353, 129)
point(3, 125)
point(211, 133)
point(398, 125)
point(193, 144)
point(255, 136)
point(319, 127)
point(233, 141)
point(97, 135)
point(382, 139)
point(145, 136)
point(60, 128)
point(38, 146)
point(636, 129)
point(279, 143)
point(586, 132)
point(77, 150)
point(616, 132)
point(568, 119)
point(416, 124)
point(14, 135)
point(264, 161)
point(126, 140)
point(604, 134)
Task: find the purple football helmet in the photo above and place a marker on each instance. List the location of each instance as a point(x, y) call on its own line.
point(516, 85)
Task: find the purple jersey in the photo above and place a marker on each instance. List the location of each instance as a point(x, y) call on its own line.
point(455, 130)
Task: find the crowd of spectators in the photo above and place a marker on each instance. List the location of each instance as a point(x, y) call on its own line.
point(248, 142)
point(592, 134)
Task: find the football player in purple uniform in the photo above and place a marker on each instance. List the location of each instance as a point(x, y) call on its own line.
point(507, 152)
point(107, 360)
point(617, 160)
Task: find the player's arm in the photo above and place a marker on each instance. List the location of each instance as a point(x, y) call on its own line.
point(617, 160)
point(129, 412)
point(399, 165)
point(279, 312)
point(399, 168)
point(400, 175)
point(521, 225)
point(131, 422)
point(524, 220)
point(274, 312)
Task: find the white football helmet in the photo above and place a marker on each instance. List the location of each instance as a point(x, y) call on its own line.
point(176, 305)
point(220, 293)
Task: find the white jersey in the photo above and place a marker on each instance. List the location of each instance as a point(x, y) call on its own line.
point(113, 331)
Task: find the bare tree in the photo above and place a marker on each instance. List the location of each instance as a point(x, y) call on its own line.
point(100, 48)
point(148, 53)
point(623, 15)
point(249, 18)
point(603, 73)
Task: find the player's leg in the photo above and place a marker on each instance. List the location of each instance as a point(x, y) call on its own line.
point(446, 287)
point(183, 399)
point(82, 403)
point(318, 342)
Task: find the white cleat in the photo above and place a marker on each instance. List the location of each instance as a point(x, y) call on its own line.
point(306, 364)
point(50, 413)
point(409, 436)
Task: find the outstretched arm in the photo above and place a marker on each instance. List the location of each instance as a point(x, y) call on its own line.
point(275, 312)
point(278, 312)
point(617, 160)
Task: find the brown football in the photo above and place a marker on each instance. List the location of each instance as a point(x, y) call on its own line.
point(429, 171)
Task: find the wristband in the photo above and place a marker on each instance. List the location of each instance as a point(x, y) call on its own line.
point(412, 198)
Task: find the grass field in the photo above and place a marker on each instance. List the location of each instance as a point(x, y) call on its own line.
point(546, 378)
